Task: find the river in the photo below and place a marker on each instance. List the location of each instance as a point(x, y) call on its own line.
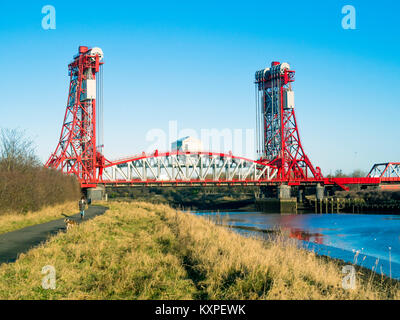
point(376, 237)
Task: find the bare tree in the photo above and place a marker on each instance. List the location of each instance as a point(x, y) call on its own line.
point(340, 174)
point(358, 173)
point(16, 150)
point(25, 185)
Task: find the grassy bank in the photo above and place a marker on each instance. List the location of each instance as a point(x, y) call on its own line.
point(16, 220)
point(146, 251)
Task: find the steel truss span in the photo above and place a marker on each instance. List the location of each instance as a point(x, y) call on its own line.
point(187, 168)
point(388, 170)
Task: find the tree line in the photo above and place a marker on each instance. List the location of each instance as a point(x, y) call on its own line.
point(25, 184)
point(355, 174)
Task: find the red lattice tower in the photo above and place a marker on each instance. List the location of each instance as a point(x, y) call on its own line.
point(77, 151)
point(280, 144)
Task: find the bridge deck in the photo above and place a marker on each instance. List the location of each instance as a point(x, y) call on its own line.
point(198, 169)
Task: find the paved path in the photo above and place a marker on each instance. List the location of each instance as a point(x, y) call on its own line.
point(15, 242)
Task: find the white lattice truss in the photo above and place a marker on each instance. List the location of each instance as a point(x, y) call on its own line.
point(385, 170)
point(187, 168)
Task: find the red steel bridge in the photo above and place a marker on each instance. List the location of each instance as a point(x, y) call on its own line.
point(281, 157)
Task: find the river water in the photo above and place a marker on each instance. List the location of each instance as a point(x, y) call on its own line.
point(376, 237)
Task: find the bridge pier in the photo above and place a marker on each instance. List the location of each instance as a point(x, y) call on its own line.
point(319, 192)
point(284, 191)
point(300, 194)
point(97, 193)
point(282, 202)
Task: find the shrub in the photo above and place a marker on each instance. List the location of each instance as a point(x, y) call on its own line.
point(25, 185)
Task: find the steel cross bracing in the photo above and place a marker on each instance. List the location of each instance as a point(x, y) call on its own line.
point(194, 168)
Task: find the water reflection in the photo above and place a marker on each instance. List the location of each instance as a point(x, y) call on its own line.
point(299, 234)
point(359, 238)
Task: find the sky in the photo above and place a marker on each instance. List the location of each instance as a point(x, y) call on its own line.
point(192, 63)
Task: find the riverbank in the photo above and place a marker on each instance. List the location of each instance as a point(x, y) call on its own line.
point(147, 251)
point(247, 199)
point(193, 198)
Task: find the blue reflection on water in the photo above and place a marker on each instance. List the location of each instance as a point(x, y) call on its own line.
point(374, 236)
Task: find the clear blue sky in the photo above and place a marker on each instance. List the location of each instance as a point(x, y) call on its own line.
point(194, 62)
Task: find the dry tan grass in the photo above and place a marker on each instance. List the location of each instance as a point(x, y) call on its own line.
point(13, 221)
point(235, 267)
point(113, 256)
point(145, 251)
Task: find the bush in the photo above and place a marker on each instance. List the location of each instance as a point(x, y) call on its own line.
point(25, 185)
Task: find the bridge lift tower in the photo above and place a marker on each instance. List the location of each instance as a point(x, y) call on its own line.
point(278, 139)
point(79, 150)
point(280, 143)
